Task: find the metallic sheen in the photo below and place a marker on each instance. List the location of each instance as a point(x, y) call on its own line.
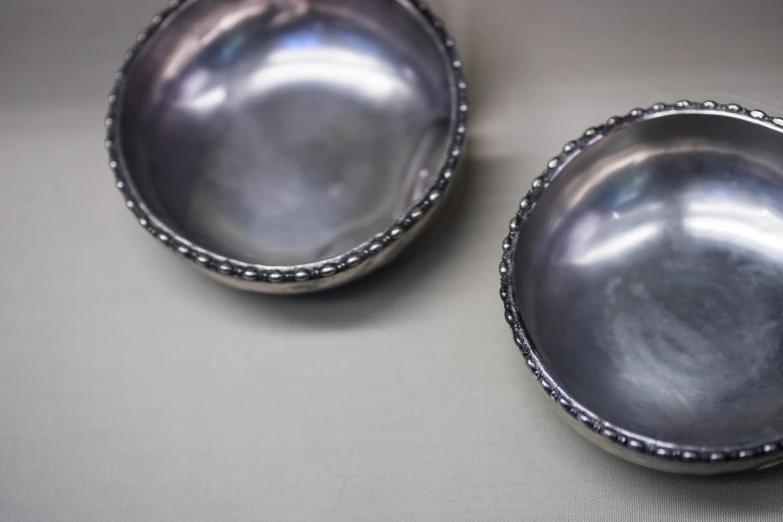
point(288, 141)
point(644, 282)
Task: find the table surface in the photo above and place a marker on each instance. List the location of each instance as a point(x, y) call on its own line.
point(134, 389)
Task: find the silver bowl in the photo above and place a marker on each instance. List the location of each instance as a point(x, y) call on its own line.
point(643, 282)
point(288, 145)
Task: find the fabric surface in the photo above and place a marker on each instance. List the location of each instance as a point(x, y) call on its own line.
point(134, 389)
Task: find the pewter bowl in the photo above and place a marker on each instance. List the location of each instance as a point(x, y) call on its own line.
point(288, 145)
point(643, 281)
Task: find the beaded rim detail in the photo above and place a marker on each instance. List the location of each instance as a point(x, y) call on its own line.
point(348, 261)
point(625, 439)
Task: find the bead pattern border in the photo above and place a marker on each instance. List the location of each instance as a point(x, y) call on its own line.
point(350, 260)
point(616, 435)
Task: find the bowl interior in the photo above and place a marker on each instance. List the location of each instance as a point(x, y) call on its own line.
point(284, 132)
point(650, 279)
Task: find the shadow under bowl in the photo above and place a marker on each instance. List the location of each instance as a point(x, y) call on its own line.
point(643, 279)
point(288, 145)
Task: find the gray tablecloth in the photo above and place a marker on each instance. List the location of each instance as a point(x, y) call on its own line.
point(133, 389)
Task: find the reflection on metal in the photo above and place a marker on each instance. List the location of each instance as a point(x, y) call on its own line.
point(280, 145)
point(643, 281)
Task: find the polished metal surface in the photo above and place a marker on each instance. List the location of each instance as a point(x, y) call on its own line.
point(644, 280)
point(281, 142)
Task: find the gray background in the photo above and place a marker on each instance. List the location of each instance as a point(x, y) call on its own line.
point(134, 389)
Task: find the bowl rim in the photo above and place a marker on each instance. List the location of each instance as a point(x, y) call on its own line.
point(268, 276)
point(617, 439)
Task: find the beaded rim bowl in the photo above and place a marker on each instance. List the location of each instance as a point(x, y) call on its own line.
point(298, 277)
point(631, 445)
